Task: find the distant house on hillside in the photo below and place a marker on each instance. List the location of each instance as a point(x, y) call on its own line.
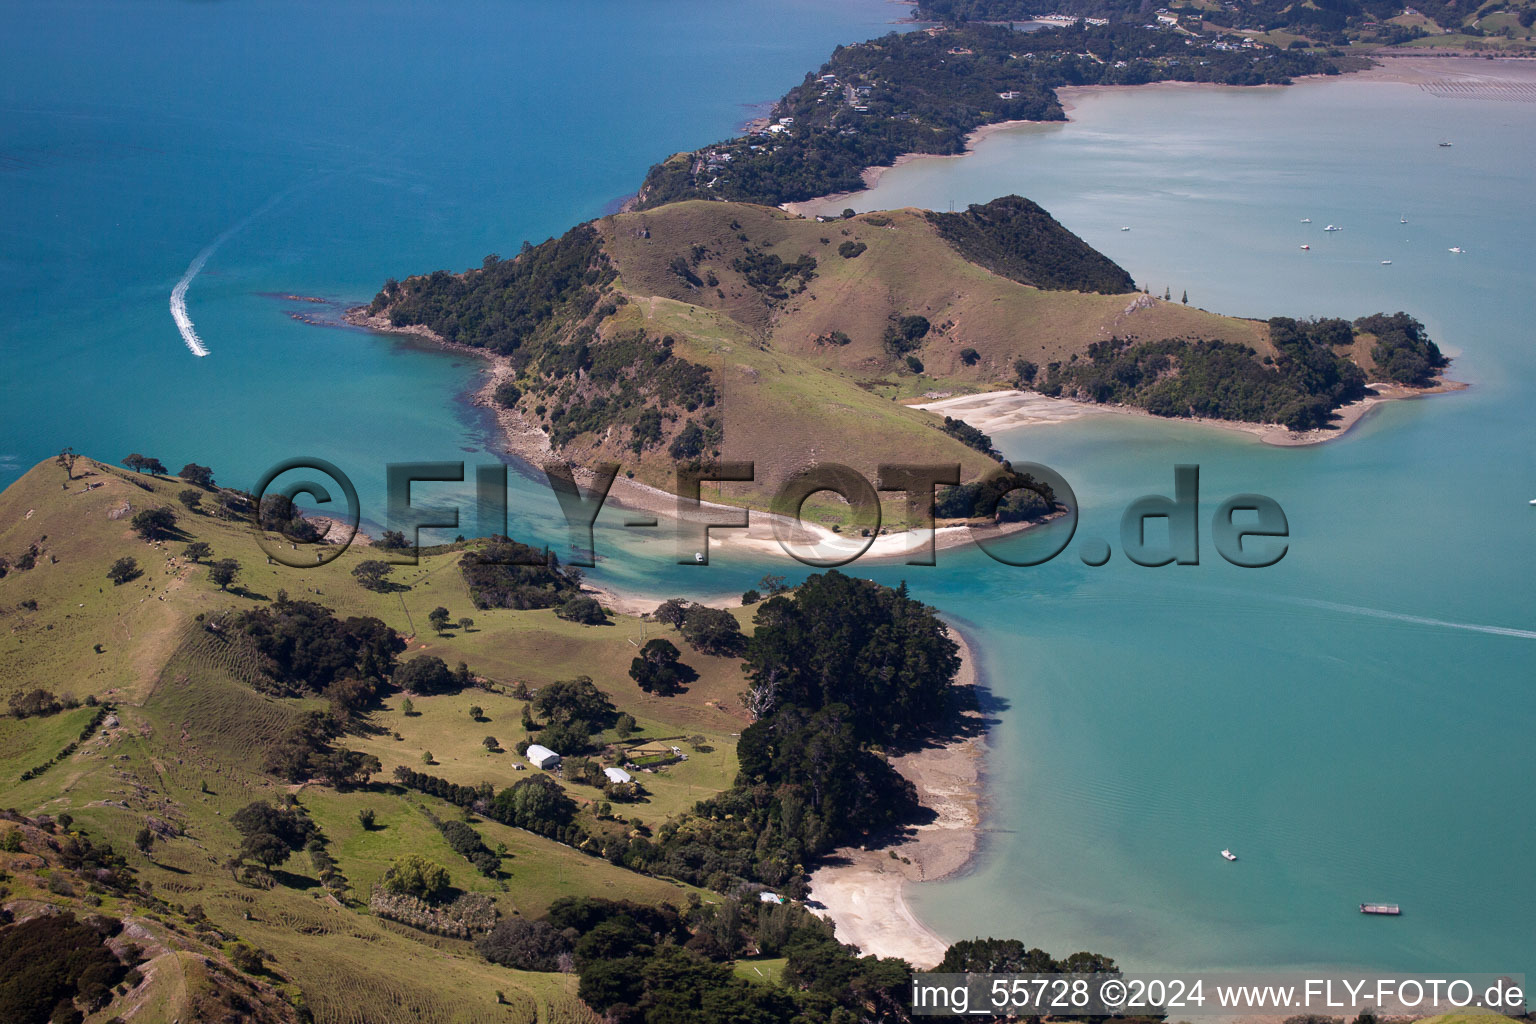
point(618, 776)
point(1011, 94)
point(769, 897)
point(542, 757)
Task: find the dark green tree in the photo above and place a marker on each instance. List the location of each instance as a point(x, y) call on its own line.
point(123, 570)
point(154, 523)
point(223, 572)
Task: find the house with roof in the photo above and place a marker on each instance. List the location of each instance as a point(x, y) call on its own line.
point(542, 757)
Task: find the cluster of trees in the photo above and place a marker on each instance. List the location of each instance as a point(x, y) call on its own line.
point(154, 523)
point(415, 875)
point(466, 842)
point(1014, 238)
point(657, 669)
point(770, 275)
point(1005, 496)
point(837, 668)
point(573, 711)
point(278, 514)
point(506, 306)
point(542, 309)
point(658, 965)
point(1010, 956)
point(583, 609)
point(536, 803)
point(427, 674)
point(306, 649)
point(37, 702)
point(506, 574)
point(969, 436)
point(905, 334)
point(1402, 352)
point(1300, 387)
point(307, 751)
point(53, 965)
point(637, 382)
point(143, 464)
point(270, 834)
point(926, 93)
point(697, 438)
point(707, 630)
point(841, 640)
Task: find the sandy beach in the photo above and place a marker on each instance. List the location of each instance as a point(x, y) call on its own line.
point(863, 892)
point(1004, 410)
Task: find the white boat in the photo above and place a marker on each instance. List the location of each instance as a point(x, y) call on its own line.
point(1533, 501)
point(1306, 220)
point(1456, 248)
point(1125, 229)
point(1306, 247)
point(1445, 145)
point(698, 556)
point(1386, 263)
point(1332, 227)
point(1228, 855)
point(1402, 219)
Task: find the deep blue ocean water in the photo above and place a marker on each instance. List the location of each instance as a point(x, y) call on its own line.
point(1355, 722)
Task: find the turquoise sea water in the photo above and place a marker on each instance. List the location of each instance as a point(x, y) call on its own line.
point(1308, 716)
point(1354, 722)
point(369, 140)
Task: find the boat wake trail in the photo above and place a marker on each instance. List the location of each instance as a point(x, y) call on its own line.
point(1417, 620)
point(179, 293)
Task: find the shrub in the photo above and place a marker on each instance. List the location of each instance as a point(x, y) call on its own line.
point(506, 394)
point(34, 702)
point(414, 875)
point(713, 631)
point(584, 610)
point(427, 674)
point(525, 945)
point(197, 476)
point(123, 570)
point(154, 523)
point(372, 574)
point(246, 958)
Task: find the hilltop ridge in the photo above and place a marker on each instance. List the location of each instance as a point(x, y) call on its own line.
point(702, 331)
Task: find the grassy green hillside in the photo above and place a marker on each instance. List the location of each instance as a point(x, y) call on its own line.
point(706, 330)
point(180, 750)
